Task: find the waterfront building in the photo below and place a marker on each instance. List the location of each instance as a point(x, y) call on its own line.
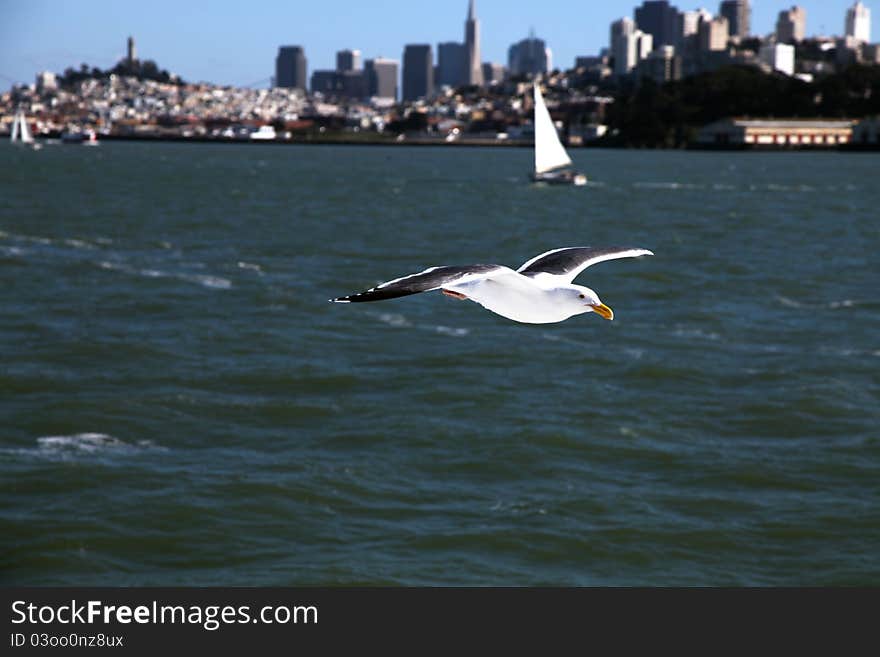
point(858, 23)
point(713, 35)
point(290, 67)
point(867, 132)
point(778, 56)
point(474, 73)
point(529, 56)
point(418, 71)
point(451, 64)
point(738, 14)
point(381, 75)
point(791, 25)
point(744, 133)
point(661, 21)
point(348, 60)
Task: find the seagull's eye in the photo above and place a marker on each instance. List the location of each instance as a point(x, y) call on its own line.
point(581, 296)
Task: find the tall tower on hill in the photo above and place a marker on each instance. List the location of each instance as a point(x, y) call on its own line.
point(472, 47)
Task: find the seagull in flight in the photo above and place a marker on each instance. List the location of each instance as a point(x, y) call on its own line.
point(541, 291)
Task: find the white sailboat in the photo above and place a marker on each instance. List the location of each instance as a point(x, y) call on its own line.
point(21, 133)
point(552, 163)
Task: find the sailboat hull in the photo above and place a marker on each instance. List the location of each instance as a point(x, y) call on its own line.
point(560, 178)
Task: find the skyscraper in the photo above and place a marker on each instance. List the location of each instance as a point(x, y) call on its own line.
point(290, 67)
point(492, 73)
point(451, 64)
point(858, 22)
point(714, 34)
point(738, 14)
point(529, 56)
point(629, 45)
point(472, 46)
point(348, 60)
point(791, 26)
point(659, 20)
point(418, 71)
point(381, 77)
point(690, 22)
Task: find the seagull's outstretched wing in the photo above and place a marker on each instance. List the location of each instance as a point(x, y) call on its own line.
point(566, 263)
point(431, 279)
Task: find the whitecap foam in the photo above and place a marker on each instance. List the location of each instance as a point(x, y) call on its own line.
point(393, 319)
point(832, 305)
point(214, 282)
point(666, 185)
point(449, 330)
point(205, 280)
point(79, 244)
point(85, 442)
point(250, 266)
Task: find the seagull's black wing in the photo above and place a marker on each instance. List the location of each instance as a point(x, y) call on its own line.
point(567, 263)
point(431, 279)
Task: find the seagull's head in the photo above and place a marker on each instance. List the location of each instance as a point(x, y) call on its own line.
point(586, 300)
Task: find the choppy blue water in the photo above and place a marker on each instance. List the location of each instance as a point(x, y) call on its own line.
point(179, 404)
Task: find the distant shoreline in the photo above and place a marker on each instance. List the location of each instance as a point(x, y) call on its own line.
point(340, 140)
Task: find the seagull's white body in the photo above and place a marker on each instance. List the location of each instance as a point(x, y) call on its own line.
point(541, 291)
point(520, 298)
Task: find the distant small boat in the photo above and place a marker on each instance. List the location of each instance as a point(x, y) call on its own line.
point(264, 133)
point(552, 163)
point(84, 137)
point(21, 133)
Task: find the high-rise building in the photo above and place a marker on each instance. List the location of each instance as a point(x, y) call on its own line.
point(472, 47)
point(529, 56)
point(791, 26)
point(381, 77)
point(739, 15)
point(661, 65)
point(290, 67)
point(492, 73)
point(348, 60)
point(617, 44)
point(325, 82)
point(690, 21)
point(418, 71)
point(451, 64)
point(661, 21)
point(629, 45)
point(858, 23)
point(714, 34)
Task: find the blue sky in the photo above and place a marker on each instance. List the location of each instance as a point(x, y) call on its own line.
point(235, 42)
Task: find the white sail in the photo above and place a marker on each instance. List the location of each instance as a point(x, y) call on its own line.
point(549, 153)
point(26, 137)
point(14, 136)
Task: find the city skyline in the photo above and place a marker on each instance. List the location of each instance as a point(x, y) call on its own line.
point(225, 47)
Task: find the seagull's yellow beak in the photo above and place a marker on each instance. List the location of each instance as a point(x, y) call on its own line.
point(603, 310)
